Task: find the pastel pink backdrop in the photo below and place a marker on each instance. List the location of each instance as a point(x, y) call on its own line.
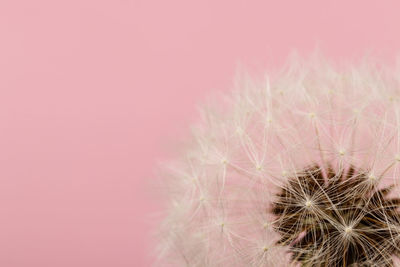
point(91, 91)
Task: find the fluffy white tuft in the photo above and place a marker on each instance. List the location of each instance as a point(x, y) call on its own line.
point(245, 149)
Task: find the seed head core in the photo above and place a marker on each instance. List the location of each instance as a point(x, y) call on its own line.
point(353, 224)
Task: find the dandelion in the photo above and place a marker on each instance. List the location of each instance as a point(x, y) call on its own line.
point(300, 168)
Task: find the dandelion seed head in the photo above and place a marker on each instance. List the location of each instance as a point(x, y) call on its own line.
point(295, 169)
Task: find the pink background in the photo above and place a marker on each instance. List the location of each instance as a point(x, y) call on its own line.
point(91, 91)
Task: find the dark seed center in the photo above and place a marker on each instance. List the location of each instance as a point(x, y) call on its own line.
point(338, 219)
